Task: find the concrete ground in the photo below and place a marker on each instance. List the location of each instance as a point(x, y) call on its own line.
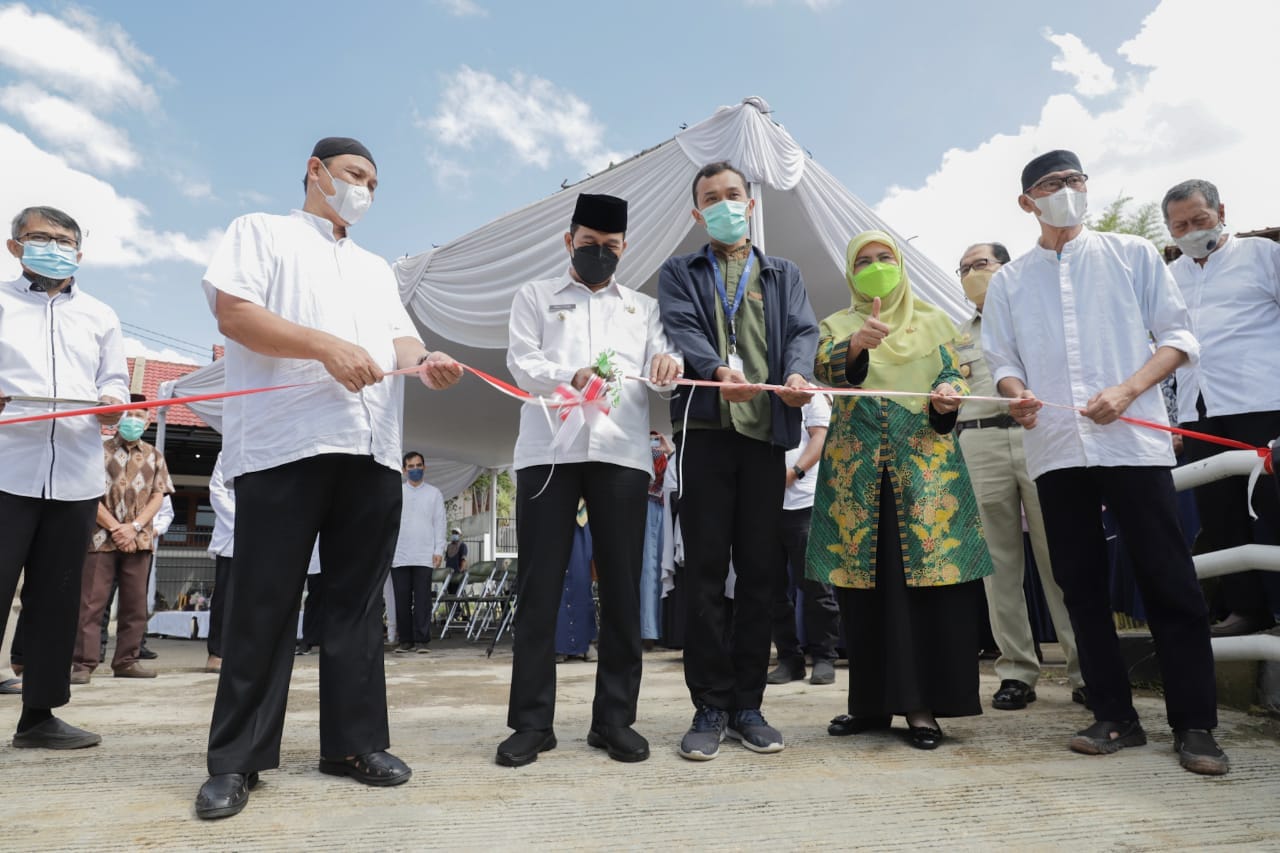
point(1003, 780)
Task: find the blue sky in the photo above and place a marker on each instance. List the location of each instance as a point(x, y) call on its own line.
point(157, 123)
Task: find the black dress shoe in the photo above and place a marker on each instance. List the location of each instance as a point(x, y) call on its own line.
point(55, 734)
point(380, 769)
point(1013, 695)
point(146, 654)
point(1081, 697)
point(845, 725)
point(224, 794)
point(523, 747)
point(622, 742)
point(924, 737)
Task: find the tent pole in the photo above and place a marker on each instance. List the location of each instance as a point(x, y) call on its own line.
point(757, 216)
point(493, 512)
point(160, 430)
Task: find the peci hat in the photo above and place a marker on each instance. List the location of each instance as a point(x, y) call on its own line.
point(1050, 161)
point(604, 213)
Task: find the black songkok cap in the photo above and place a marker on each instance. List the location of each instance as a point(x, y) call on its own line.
point(1052, 161)
point(137, 398)
point(332, 146)
point(604, 213)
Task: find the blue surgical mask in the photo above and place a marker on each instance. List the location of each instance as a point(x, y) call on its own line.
point(131, 429)
point(453, 537)
point(50, 260)
point(415, 474)
point(726, 221)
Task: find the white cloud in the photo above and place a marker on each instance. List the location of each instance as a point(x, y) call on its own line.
point(76, 55)
point(1173, 120)
point(538, 120)
point(1093, 76)
point(134, 348)
point(83, 137)
point(463, 8)
point(117, 232)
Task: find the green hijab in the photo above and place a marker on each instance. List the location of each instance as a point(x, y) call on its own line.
point(908, 358)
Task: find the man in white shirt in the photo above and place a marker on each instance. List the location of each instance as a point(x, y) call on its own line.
point(1072, 319)
point(820, 612)
point(419, 550)
point(301, 303)
point(991, 442)
point(1232, 289)
point(58, 344)
point(560, 328)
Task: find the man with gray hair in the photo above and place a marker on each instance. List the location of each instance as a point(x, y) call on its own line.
point(51, 475)
point(1232, 289)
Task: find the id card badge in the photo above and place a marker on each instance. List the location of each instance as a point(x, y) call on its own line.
point(735, 362)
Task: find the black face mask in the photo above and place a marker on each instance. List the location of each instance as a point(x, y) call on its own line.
point(594, 264)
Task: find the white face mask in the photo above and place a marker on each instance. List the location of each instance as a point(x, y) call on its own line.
point(1198, 244)
point(349, 201)
point(1064, 209)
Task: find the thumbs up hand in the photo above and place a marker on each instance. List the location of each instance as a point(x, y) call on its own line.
point(872, 332)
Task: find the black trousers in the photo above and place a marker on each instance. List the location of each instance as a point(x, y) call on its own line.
point(1144, 505)
point(412, 585)
point(818, 600)
point(617, 499)
point(1224, 509)
point(218, 605)
point(353, 504)
point(49, 539)
point(729, 509)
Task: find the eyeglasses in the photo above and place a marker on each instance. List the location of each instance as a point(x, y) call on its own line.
point(1052, 185)
point(979, 264)
point(40, 241)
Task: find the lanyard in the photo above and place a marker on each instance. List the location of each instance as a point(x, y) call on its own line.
point(731, 310)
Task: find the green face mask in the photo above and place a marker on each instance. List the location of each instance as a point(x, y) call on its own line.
point(878, 279)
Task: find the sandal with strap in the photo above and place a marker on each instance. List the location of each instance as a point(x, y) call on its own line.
point(373, 768)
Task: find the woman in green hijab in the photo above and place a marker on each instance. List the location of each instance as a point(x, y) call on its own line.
point(895, 525)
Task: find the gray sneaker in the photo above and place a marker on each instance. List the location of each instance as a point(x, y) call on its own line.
point(702, 741)
point(756, 734)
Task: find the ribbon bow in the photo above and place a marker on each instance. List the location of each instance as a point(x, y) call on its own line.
point(588, 408)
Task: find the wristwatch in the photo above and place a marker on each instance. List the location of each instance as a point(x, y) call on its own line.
point(799, 472)
point(137, 528)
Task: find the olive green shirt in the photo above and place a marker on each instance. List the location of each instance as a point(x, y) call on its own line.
point(754, 418)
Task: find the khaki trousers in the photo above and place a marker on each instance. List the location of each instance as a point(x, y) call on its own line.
point(998, 469)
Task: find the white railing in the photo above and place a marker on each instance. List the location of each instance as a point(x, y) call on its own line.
point(1241, 558)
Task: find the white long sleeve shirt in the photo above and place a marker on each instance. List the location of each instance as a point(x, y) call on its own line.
point(223, 500)
point(816, 413)
point(67, 346)
point(1234, 301)
point(1071, 327)
point(295, 268)
point(559, 326)
point(424, 529)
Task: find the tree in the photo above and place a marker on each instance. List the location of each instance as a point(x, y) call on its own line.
point(1147, 222)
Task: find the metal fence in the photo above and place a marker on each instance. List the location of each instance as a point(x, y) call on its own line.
point(184, 570)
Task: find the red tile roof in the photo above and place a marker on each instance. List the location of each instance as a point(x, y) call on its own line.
point(155, 372)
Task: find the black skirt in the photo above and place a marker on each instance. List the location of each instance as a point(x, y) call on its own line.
point(910, 648)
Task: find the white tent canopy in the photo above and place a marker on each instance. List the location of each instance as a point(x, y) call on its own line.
point(461, 292)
